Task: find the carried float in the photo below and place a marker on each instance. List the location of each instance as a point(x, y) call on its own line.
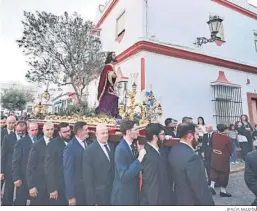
point(141, 107)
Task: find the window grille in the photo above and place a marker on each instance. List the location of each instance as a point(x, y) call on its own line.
point(228, 104)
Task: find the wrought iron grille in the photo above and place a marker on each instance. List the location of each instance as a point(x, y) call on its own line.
point(228, 104)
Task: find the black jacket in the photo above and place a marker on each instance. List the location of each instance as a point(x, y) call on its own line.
point(157, 182)
point(250, 174)
point(98, 173)
point(35, 167)
point(20, 158)
point(188, 172)
point(7, 154)
point(54, 165)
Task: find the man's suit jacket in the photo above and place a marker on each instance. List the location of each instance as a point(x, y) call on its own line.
point(3, 134)
point(35, 167)
point(157, 183)
point(250, 174)
point(188, 172)
point(98, 173)
point(54, 165)
point(72, 164)
point(7, 154)
point(20, 159)
point(126, 180)
point(207, 146)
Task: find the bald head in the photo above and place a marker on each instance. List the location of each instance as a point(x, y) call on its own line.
point(102, 133)
point(10, 122)
point(209, 128)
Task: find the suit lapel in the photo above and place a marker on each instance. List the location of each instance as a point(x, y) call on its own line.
point(127, 148)
point(102, 153)
point(61, 143)
point(76, 142)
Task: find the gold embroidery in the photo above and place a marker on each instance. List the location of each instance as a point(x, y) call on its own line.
point(217, 151)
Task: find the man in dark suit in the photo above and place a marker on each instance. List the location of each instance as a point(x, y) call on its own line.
point(10, 124)
point(98, 168)
point(54, 166)
point(3, 122)
point(187, 170)
point(35, 168)
point(6, 161)
point(127, 167)
point(19, 164)
point(207, 150)
point(250, 174)
point(72, 163)
point(157, 183)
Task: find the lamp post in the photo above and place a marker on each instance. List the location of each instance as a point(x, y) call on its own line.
point(214, 25)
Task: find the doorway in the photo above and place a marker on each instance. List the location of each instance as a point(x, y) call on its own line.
point(252, 107)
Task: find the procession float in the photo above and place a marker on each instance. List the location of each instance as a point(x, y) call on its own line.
point(142, 107)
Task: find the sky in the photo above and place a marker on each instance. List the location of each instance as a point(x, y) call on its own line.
point(13, 65)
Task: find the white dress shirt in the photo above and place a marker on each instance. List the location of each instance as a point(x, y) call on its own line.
point(156, 148)
point(81, 142)
point(104, 149)
point(9, 131)
point(129, 143)
point(18, 136)
point(47, 140)
point(32, 139)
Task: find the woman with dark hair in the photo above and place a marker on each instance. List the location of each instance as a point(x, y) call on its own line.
point(201, 131)
point(233, 135)
point(242, 139)
point(248, 129)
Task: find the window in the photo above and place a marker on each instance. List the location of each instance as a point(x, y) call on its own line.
point(221, 32)
point(255, 40)
point(227, 103)
point(120, 25)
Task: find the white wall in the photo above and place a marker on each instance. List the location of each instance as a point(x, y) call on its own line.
point(133, 25)
point(185, 85)
point(181, 22)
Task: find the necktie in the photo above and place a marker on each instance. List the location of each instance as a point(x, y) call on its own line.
point(85, 144)
point(20, 137)
point(34, 139)
point(134, 152)
point(108, 151)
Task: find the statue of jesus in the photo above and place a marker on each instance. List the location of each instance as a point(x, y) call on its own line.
point(108, 99)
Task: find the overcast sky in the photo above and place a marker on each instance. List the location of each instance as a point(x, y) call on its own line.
point(12, 62)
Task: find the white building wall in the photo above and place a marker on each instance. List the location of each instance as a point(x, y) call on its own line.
point(181, 22)
point(133, 25)
point(185, 85)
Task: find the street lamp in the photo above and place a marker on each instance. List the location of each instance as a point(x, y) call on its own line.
point(214, 25)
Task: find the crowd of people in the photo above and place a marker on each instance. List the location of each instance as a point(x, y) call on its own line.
point(68, 168)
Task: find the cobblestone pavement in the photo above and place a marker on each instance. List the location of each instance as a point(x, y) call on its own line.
point(239, 166)
point(241, 195)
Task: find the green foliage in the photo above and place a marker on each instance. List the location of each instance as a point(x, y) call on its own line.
point(81, 109)
point(61, 49)
point(14, 99)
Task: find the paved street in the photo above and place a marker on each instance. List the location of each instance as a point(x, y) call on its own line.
point(241, 195)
